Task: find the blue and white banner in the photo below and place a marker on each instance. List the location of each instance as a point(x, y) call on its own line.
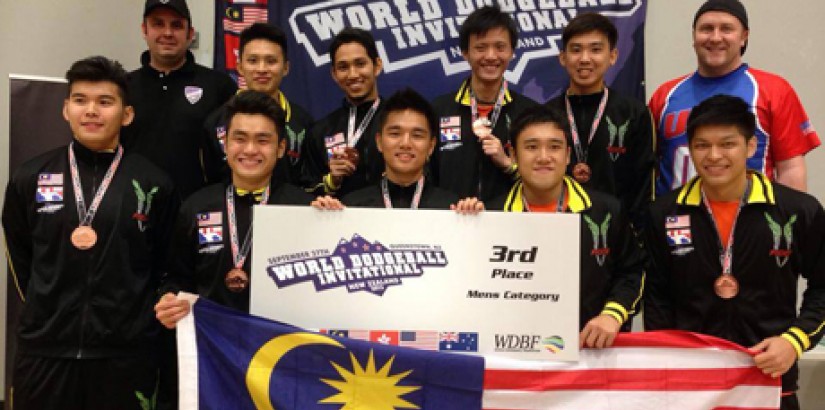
point(418, 43)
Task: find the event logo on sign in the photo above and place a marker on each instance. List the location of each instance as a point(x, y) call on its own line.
point(411, 32)
point(357, 264)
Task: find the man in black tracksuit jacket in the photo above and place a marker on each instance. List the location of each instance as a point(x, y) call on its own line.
point(340, 154)
point(471, 156)
point(777, 236)
point(620, 157)
point(611, 261)
point(201, 256)
point(172, 96)
point(87, 333)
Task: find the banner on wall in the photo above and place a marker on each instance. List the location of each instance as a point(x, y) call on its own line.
point(418, 42)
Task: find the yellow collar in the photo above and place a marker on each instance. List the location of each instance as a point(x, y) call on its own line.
point(761, 191)
point(463, 94)
point(577, 198)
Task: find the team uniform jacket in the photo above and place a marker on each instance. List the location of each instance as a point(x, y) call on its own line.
point(96, 303)
point(331, 131)
point(298, 123)
point(611, 260)
point(777, 238)
point(621, 156)
point(458, 163)
point(170, 110)
point(201, 250)
point(432, 197)
point(783, 130)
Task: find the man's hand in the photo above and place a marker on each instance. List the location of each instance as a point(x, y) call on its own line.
point(599, 332)
point(776, 356)
point(492, 148)
point(170, 310)
point(468, 206)
point(327, 203)
point(340, 166)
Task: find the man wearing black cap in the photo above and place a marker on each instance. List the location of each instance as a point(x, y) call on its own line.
point(173, 95)
point(784, 132)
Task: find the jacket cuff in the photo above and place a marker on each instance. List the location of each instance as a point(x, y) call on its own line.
point(617, 311)
point(798, 339)
point(329, 185)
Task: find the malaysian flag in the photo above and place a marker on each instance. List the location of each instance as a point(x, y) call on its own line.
point(209, 218)
point(677, 221)
point(50, 179)
point(352, 334)
point(239, 18)
point(424, 340)
point(228, 359)
point(450, 122)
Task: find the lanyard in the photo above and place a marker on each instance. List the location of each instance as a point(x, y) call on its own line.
point(726, 252)
point(419, 188)
point(581, 153)
point(353, 135)
point(559, 205)
point(85, 216)
point(239, 253)
point(496, 111)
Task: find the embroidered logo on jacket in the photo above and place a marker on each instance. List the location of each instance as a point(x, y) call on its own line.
point(616, 145)
point(781, 255)
point(679, 237)
point(210, 231)
point(193, 94)
point(599, 233)
point(49, 192)
point(295, 141)
point(144, 200)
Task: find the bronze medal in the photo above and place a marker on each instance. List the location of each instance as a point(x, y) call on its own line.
point(83, 237)
point(726, 286)
point(481, 127)
point(236, 280)
point(352, 155)
point(581, 172)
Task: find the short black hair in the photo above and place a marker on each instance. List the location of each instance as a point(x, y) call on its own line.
point(99, 69)
point(722, 109)
point(409, 99)
point(587, 23)
point(483, 20)
point(256, 102)
point(354, 35)
point(539, 115)
point(263, 31)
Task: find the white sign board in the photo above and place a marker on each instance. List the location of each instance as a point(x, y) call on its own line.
point(496, 283)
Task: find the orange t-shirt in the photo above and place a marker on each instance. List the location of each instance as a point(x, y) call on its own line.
point(484, 110)
point(551, 207)
point(723, 215)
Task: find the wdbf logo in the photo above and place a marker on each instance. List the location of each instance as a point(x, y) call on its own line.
point(357, 264)
point(414, 32)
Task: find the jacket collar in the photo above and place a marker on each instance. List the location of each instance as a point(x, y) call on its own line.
point(577, 202)
point(761, 191)
point(463, 95)
point(188, 66)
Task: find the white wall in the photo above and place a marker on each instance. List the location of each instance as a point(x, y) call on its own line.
point(45, 37)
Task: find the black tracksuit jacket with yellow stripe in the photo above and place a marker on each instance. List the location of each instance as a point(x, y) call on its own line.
point(612, 262)
point(778, 238)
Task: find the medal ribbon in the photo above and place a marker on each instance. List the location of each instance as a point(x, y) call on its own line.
point(726, 252)
point(353, 135)
point(239, 252)
point(559, 205)
point(581, 153)
point(419, 188)
point(496, 112)
point(85, 216)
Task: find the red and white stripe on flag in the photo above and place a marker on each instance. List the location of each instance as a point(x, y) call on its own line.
point(642, 371)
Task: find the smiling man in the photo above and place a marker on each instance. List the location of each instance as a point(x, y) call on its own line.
point(212, 238)
point(471, 157)
point(263, 63)
point(86, 226)
point(340, 154)
point(611, 135)
point(406, 140)
point(784, 133)
point(729, 247)
point(172, 96)
point(611, 261)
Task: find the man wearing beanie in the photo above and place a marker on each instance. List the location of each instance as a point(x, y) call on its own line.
point(784, 133)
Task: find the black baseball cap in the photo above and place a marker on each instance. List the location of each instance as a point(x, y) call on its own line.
point(179, 6)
